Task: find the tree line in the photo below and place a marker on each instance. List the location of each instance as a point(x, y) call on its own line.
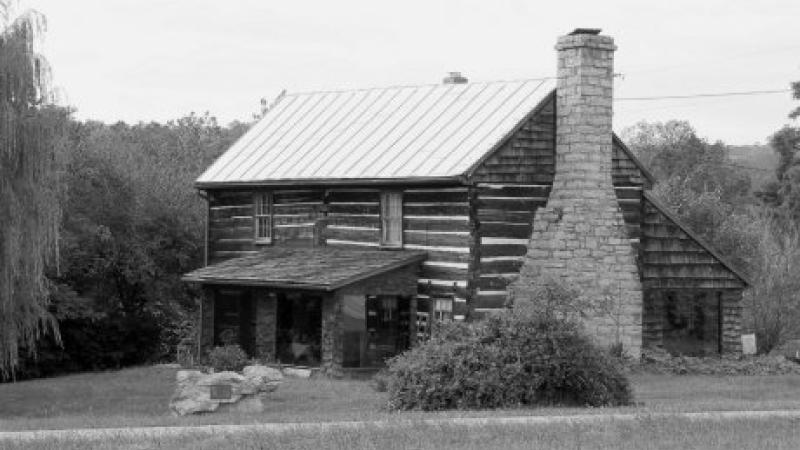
point(99, 221)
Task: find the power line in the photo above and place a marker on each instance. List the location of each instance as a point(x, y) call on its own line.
point(719, 94)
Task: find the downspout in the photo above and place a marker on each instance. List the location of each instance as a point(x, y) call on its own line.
point(204, 196)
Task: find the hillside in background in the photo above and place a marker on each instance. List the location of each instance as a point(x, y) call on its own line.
point(759, 160)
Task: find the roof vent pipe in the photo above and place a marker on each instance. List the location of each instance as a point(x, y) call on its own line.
point(454, 78)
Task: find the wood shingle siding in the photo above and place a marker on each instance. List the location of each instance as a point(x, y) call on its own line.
point(527, 156)
point(673, 258)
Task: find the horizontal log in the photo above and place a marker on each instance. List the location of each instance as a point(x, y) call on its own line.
point(441, 256)
point(510, 190)
point(283, 197)
point(353, 234)
point(505, 229)
point(435, 209)
point(443, 272)
point(352, 208)
point(354, 221)
point(505, 266)
point(437, 290)
point(294, 219)
point(226, 222)
point(499, 215)
point(436, 225)
point(490, 301)
point(436, 239)
point(460, 196)
point(226, 212)
point(221, 198)
point(488, 250)
point(352, 244)
point(353, 196)
point(493, 283)
point(295, 208)
point(511, 203)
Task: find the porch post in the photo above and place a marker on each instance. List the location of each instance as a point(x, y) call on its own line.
point(206, 328)
point(332, 352)
point(266, 324)
point(731, 311)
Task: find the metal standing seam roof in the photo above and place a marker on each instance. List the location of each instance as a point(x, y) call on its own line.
point(426, 131)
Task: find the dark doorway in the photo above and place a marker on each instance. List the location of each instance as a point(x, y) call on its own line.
point(234, 319)
point(299, 337)
point(691, 323)
point(374, 328)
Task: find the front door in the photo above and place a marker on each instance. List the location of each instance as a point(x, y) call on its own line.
point(299, 337)
point(234, 319)
point(374, 328)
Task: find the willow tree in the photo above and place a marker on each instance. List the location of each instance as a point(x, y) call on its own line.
point(31, 130)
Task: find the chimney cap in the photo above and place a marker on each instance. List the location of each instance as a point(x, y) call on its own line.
point(591, 31)
point(454, 78)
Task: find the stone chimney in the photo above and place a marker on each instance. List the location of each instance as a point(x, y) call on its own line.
point(580, 236)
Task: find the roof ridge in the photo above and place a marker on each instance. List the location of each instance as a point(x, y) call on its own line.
point(404, 86)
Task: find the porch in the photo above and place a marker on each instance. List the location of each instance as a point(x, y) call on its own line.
point(321, 307)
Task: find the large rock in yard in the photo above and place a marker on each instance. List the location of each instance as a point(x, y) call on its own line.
point(197, 392)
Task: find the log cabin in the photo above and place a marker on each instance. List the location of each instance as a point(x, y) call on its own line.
point(344, 224)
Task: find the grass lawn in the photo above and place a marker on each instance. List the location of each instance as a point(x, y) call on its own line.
point(139, 397)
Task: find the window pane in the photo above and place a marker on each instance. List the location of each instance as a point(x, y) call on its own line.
point(263, 215)
point(392, 218)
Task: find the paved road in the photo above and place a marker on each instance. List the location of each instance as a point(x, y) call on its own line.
point(90, 434)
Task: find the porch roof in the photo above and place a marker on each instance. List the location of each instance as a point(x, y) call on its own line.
point(318, 268)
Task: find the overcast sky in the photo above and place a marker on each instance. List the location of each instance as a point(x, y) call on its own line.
point(142, 60)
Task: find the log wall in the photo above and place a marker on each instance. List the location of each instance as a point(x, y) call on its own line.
point(435, 220)
point(230, 221)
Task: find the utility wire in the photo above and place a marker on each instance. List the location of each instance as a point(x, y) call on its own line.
point(720, 94)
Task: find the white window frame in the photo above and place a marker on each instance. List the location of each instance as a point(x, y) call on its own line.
point(262, 219)
point(392, 219)
point(443, 309)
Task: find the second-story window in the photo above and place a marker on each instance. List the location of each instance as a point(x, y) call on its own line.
point(392, 219)
point(263, 217)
